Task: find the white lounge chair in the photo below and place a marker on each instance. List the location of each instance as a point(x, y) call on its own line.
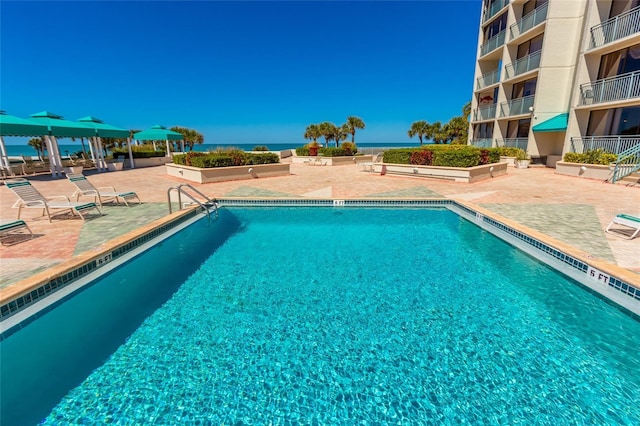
point(100, 195)
point(30, 198)
point(367, 166)
point(627, 220)
point(9, 229)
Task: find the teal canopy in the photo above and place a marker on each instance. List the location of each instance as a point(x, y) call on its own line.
point(554, 124)
point(158, 133)
point(103, 130)
point(15, 126)
point(57, 126)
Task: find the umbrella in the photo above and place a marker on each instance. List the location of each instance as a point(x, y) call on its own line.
point(15, 126)
point(103, 130)
point(159, 133)
point(59, 127)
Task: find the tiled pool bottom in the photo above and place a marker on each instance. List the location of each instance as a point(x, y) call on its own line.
point(331, 316)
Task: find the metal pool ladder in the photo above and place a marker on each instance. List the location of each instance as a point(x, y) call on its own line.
point(206, 205)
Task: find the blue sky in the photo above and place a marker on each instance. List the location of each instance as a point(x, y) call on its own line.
point(240, 72)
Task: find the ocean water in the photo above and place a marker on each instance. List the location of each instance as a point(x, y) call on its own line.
point(327, 316)
point(67, 149)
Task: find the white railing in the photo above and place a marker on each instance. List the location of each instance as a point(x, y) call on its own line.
point(481, 143)
point(529, 21)
point(493, 9)
point(513, 143)
point(489, 79)
point(620, 87)
point(516, 106)
point(522, 65)
point(616, 28)
point(485, 112)
point(493, 43)
point(612, 144)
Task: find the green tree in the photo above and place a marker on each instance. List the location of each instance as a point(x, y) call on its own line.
point(328, 131)
point(466, 111)
point(190, 136)
point(341, 133)
point(39, 145)
point(312, 132)
point(458, 129)
point(418, 128)
point(433, 130)
point(352, 124)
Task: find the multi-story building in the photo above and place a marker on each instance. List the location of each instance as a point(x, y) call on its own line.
point(557, 76)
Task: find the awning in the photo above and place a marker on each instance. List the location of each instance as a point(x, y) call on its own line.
point(554, 124)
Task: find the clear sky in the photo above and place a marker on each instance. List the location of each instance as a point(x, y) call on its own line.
point(240, 72)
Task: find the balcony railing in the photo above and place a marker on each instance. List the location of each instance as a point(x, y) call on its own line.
point(522, 65)
point(529, 21)
point(482, 143)
point(493, 43)
point(495, 8)
point(616, 28)
point(620, 87)
point(513, 143)
point(516, 106)
point(612, 144)
point(485, 112)
point(489, 79)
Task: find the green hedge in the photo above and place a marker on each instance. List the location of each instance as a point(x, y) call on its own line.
point(443, 155)
point(596, 156)
point(224, 159)
point(334, 152)
point(302, 151)
point(136, 153)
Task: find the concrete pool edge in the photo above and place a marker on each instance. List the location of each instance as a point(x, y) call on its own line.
point(616, 284)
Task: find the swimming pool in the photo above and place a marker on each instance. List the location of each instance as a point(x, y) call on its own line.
point(327, 315)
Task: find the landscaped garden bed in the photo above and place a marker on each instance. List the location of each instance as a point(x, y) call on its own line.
point(459, 163)
point(595, 164)
point(224, 166)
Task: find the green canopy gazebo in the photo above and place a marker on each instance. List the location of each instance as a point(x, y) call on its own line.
point(159, 133)
point(15, 126)
point(103, 130)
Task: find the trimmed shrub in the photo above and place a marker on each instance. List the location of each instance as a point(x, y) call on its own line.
point(457, 158)
point(333, 152)
point(349, 147)
point(596, 156)
point(260, 148)
point(398, 156)
point(422, 157)
point(137, 153)
point(225, 159)
point(443, 155)
point(508, 151)
point(302, 151)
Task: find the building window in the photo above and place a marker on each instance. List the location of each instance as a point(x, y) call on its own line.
point(518, 128)
point(620, 62)
point(619, 7)
point(530, 46)
point(483, 131)
point(531, 5)
point(614, 122)
point(524, 88)
point(496, 27)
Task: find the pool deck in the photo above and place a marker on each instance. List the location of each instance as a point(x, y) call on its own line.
point(571, 210)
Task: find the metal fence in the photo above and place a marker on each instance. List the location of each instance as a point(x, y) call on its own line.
point(493, 43)
point(616, 28)
point(612, 144)
point(516, 106)
point(623, 86)
point(529, 21)
point(522, 65)
point(485, 112)
point(493, 9)
point(482, 143)
point(521, 143)
point(489, 79)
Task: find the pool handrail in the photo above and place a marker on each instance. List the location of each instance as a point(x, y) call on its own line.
point(208, 204)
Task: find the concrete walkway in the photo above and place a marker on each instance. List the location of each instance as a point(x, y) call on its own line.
point(572, 210)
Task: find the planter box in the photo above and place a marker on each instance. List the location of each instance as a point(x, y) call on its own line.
point(334, 161)
point(222, 174)
point(511, 161)
point(456, 174)
point(587, 171)
point(115, 167)
point(147, 162)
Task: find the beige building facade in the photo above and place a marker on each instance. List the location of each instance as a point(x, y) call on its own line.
point(557, 76)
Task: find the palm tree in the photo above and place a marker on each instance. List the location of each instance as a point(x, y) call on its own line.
point(341, 133)
point(458, 128)
point(190, 136)
point(433, 130)
point(312, 132)
point(328, 131)
point(466, 111)
point(352, 124)
point(418, 128)
point(84, 151)
point(39, 145)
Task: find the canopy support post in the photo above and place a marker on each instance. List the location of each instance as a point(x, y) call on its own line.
point(133, 166)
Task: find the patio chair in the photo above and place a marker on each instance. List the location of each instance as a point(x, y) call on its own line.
point(628, 221)
point(9, 229)
point(367, 166)
point(31, 167)
point(30, 198)
point(100, 195)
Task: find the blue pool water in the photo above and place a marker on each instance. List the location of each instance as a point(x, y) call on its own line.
point(327, 316)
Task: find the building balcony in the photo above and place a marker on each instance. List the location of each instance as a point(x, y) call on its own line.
point(485, 112)
point(614, 144)
point(618, 88)
point(616, 28)
point(513, 143)
point(493, 43)
point(482, 143)
point(523, 65)
point(516, 106)
point(494, 9)
point(529, 21)
point(489, 79)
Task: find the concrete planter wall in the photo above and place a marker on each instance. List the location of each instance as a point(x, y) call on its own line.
point(511, 161)
point(333, 161)
point(587, 171)
point(456, 174)
point(221, 174)
point(147, 162)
